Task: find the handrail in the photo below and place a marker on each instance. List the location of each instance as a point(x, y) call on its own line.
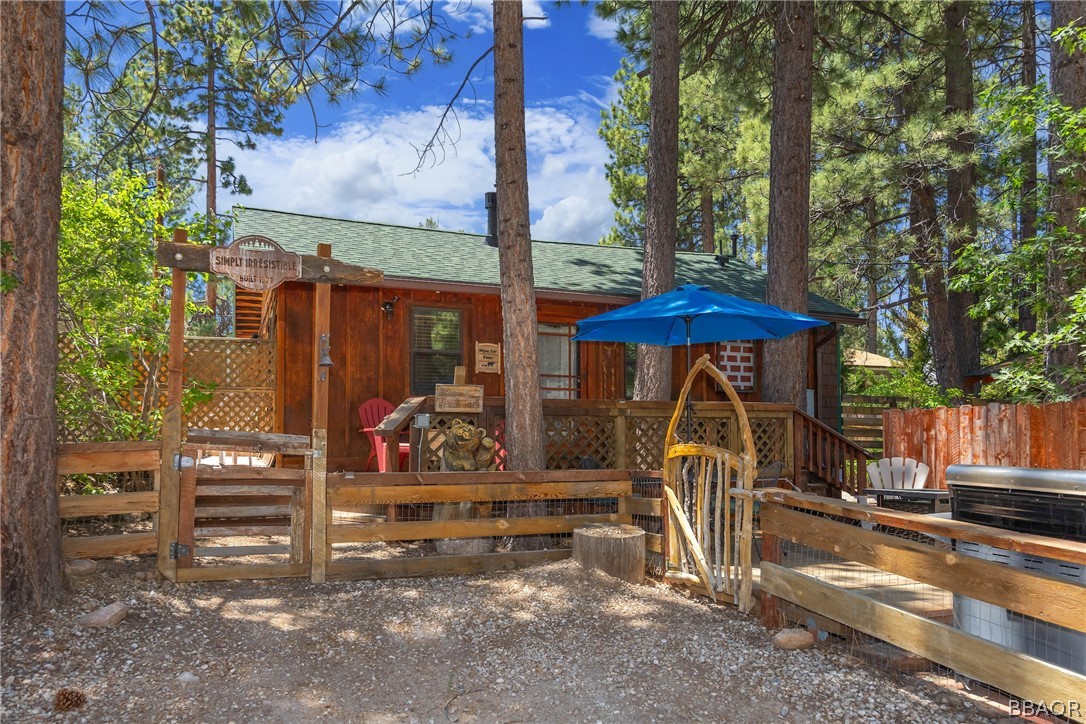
point(826, 428)
point(400, 418)
point(828, 454)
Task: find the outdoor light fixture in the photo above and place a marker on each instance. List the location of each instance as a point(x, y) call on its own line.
point(389, 306)
point(324, 359)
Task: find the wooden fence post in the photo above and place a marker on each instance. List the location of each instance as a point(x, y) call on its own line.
point(318, 479)
point(319, 476)
point(169, 471)
point(771, 553)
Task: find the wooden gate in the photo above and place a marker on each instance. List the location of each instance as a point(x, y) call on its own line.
point(232, 497)
point(707, 489)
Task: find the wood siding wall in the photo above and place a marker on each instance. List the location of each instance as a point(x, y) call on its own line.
point(371, 356)
point(1031, 436)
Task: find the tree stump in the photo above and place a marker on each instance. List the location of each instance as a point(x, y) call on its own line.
point(617, 550)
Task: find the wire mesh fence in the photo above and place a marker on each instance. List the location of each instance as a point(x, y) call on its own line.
point(913, 620)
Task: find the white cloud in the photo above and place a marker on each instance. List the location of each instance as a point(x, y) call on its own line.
point(479, 14)
point(600, 28)
point(360, 169)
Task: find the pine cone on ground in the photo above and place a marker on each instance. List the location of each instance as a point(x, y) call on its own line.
point(68, 699)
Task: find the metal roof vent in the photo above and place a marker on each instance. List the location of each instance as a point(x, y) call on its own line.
point(491, 203)
point(721, 257)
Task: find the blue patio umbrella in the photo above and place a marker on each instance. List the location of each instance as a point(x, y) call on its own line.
point(692, 314)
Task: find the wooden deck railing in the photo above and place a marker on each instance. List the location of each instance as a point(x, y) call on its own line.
point(828, 456)
point(630, 435)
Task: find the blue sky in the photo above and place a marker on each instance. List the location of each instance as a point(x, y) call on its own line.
point(360, 167)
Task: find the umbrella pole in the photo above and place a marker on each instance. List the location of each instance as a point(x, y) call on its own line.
point(689, 404)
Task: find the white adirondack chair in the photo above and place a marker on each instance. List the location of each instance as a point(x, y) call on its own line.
point(897, 474)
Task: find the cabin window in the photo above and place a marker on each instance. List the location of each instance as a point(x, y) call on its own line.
point(558, 364)
point(435, 348)
point(737, 361)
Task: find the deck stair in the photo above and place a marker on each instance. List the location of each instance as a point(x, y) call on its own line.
point(248, 307)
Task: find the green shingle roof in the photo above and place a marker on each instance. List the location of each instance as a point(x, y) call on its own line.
point(407, 252)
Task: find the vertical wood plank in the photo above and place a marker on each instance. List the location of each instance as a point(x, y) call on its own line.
point(298, 542)
point(319, 510)
point(771, 553)
point(186, 509)
point(979, 434)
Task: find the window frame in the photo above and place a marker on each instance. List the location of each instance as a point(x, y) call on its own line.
point(413, 351)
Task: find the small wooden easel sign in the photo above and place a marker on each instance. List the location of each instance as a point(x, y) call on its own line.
point(458, 397)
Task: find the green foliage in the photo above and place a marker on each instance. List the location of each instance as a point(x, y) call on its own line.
point(905, 383)
point(113, 313)
point(1015, 278)
point(880, 134)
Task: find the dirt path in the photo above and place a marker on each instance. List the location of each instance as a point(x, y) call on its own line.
point(549, 644)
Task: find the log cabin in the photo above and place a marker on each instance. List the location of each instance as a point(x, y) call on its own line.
point(439, 307)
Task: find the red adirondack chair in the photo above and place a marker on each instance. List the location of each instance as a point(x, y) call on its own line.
point(370, 414)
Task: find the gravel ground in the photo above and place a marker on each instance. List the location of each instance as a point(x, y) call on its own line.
point(549, 643)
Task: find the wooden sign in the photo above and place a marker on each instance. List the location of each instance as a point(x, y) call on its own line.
point(458, 398)
point(488, 357)
point(256, 263)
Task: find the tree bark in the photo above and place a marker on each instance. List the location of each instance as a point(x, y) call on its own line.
point(653, 378)
point(708, 231)
point(523, 405)
point(927, 254)
point(211, 197)
point(961, 227)
point(1027, 230)
point(1066, 268)
point(31, 79)
point(785, 360)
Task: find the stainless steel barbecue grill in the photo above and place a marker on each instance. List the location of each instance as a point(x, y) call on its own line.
point(1024, 500)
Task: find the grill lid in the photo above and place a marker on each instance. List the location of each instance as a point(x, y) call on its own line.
point(1063, 482)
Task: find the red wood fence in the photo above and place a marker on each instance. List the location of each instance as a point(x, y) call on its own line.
point(1029, 436)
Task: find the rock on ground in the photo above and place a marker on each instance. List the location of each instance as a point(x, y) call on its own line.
point(80, 567)
point(793, 639)
point(105, 616)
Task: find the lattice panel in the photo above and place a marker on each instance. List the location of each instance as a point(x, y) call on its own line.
point(247, 410)
point(576, 442)
point(769, 438)
point(242, 371)
point(645, 442)
point(230, 362)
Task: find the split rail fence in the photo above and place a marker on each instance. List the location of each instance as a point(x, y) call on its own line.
point(947, 591)
point(1031, 436)
point(93, 511)
point(457, 523)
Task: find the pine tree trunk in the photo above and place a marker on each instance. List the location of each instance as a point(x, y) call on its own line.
point(960, 182)
point(924, 226)
point(523, 406)
point(785, 360)
point(31, 84)
point(653, 377)
point(1066, 269)
point(211, 197)
point(708, 232)
point(1027, 320)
